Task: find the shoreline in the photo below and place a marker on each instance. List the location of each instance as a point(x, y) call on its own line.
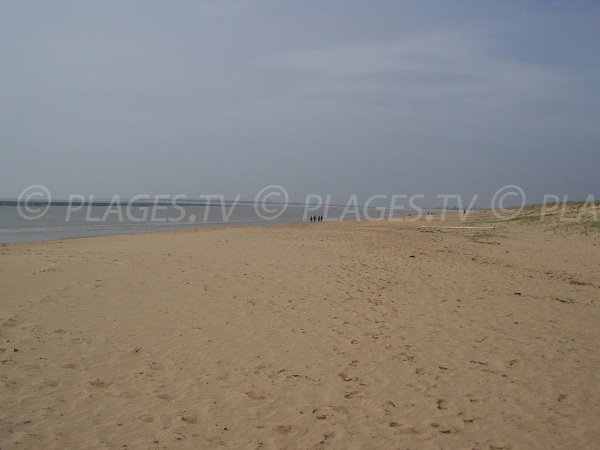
point(12, 227)
point(175, 227)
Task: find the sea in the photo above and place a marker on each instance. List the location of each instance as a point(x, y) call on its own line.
point(23, 223)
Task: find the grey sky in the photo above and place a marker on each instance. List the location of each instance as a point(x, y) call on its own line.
point(333, 98)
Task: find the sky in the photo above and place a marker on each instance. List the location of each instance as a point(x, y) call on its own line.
point(321, 97)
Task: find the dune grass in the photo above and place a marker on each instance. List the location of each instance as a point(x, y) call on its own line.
point(581, 217)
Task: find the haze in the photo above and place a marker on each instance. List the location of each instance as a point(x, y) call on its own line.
point(335, 98)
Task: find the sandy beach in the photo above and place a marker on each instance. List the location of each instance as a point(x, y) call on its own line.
point(371, 335)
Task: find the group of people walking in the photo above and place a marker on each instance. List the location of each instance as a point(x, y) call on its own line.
point(316, 218)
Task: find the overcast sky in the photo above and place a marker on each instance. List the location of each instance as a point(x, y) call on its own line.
point(430, 97)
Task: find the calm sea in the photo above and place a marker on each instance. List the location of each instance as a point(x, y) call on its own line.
point(60, 222)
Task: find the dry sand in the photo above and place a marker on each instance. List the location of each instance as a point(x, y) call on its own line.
point(333, 335)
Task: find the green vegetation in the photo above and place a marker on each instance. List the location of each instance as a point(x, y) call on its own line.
point(581, 217)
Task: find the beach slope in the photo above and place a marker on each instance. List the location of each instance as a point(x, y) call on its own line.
point(333, 335)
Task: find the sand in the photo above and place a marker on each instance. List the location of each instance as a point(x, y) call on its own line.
point(334, 335)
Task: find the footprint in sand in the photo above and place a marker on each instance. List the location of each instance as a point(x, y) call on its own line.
point(128, 395)
point(155, 366)
point(189, 418)
point(345, 377)
point(401, 428)
point(99, 383)
point(442, 404)
point(352, 394)
point(148, 418)
point(10, 322)
point(326, 438)
point(256, 396)
point(387, 407)
point(284, 429)
point(330, 412)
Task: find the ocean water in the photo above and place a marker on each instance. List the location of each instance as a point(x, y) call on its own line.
point(60, 222)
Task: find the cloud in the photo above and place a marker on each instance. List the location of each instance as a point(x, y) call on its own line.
point(234, 94)
point(436, 64)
